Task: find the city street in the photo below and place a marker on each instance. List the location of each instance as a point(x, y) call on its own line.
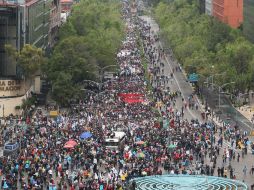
point(144, 120)
point(181, 84)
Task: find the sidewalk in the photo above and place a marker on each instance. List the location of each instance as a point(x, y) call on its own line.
point(186, 89)
point(246, 111)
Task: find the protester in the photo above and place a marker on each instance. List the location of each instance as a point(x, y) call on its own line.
point(69, 152)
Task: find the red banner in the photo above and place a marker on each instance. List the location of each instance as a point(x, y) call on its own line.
point(130, 95)
point(133, 100)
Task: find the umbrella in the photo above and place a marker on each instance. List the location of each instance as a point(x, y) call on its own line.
point(171, 146)
point(140, 142)
point(85, 135)
point(70, 144)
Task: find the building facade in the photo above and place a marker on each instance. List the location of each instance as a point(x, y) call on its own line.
point(54, 21)
point(202, 6)
point(32, 22)
point(248, 19)
point(229, 12)
point(209, 7)
point(37, 26)
point(9, 34)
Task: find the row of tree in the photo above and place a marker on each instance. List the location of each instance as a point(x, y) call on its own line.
point(204, 45)
point(88, 41)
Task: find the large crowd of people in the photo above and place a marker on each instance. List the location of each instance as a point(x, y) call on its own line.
point(54, 154)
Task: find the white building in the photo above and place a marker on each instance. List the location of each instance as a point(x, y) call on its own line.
point(209, 7)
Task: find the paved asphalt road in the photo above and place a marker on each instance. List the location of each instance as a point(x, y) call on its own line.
point(180, 83)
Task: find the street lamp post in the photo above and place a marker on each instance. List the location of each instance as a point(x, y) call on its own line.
point(236, 117)
point(101, 70)
point(212, 81)
point(212, 77)
point(220, 88)
point(205, 81)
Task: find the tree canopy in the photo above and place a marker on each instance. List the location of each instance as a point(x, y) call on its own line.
point(202, 42)
point(88, 41)
point(30, 59)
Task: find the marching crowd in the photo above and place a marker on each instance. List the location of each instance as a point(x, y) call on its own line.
point(54, 156)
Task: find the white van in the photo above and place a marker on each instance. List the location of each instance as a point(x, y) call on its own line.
point(115, 139)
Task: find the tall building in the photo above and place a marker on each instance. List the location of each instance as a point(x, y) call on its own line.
point(9, 34)
point(209, 7)
point(229, 12)
point(54, 21)
point(202, 6)
point(26, 22)
point(248, 19)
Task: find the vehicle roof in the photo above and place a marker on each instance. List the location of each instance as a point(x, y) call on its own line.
point(11, 143)
point(118, 135)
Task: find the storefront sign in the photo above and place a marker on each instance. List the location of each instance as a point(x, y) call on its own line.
point(10, 85)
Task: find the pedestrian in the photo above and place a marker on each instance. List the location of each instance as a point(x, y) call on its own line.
point(231, 173)
point(238, 157)
point(252, 170)
point(218, 171)
point(245, 170)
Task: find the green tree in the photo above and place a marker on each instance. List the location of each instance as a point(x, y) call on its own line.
point(218, 32)
point(67, 30)
point(89, 41)
point(72, 55)
point(30, 58)
point(63, 88)
point(240, 54)
point(188, 47)
point(201, 42)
